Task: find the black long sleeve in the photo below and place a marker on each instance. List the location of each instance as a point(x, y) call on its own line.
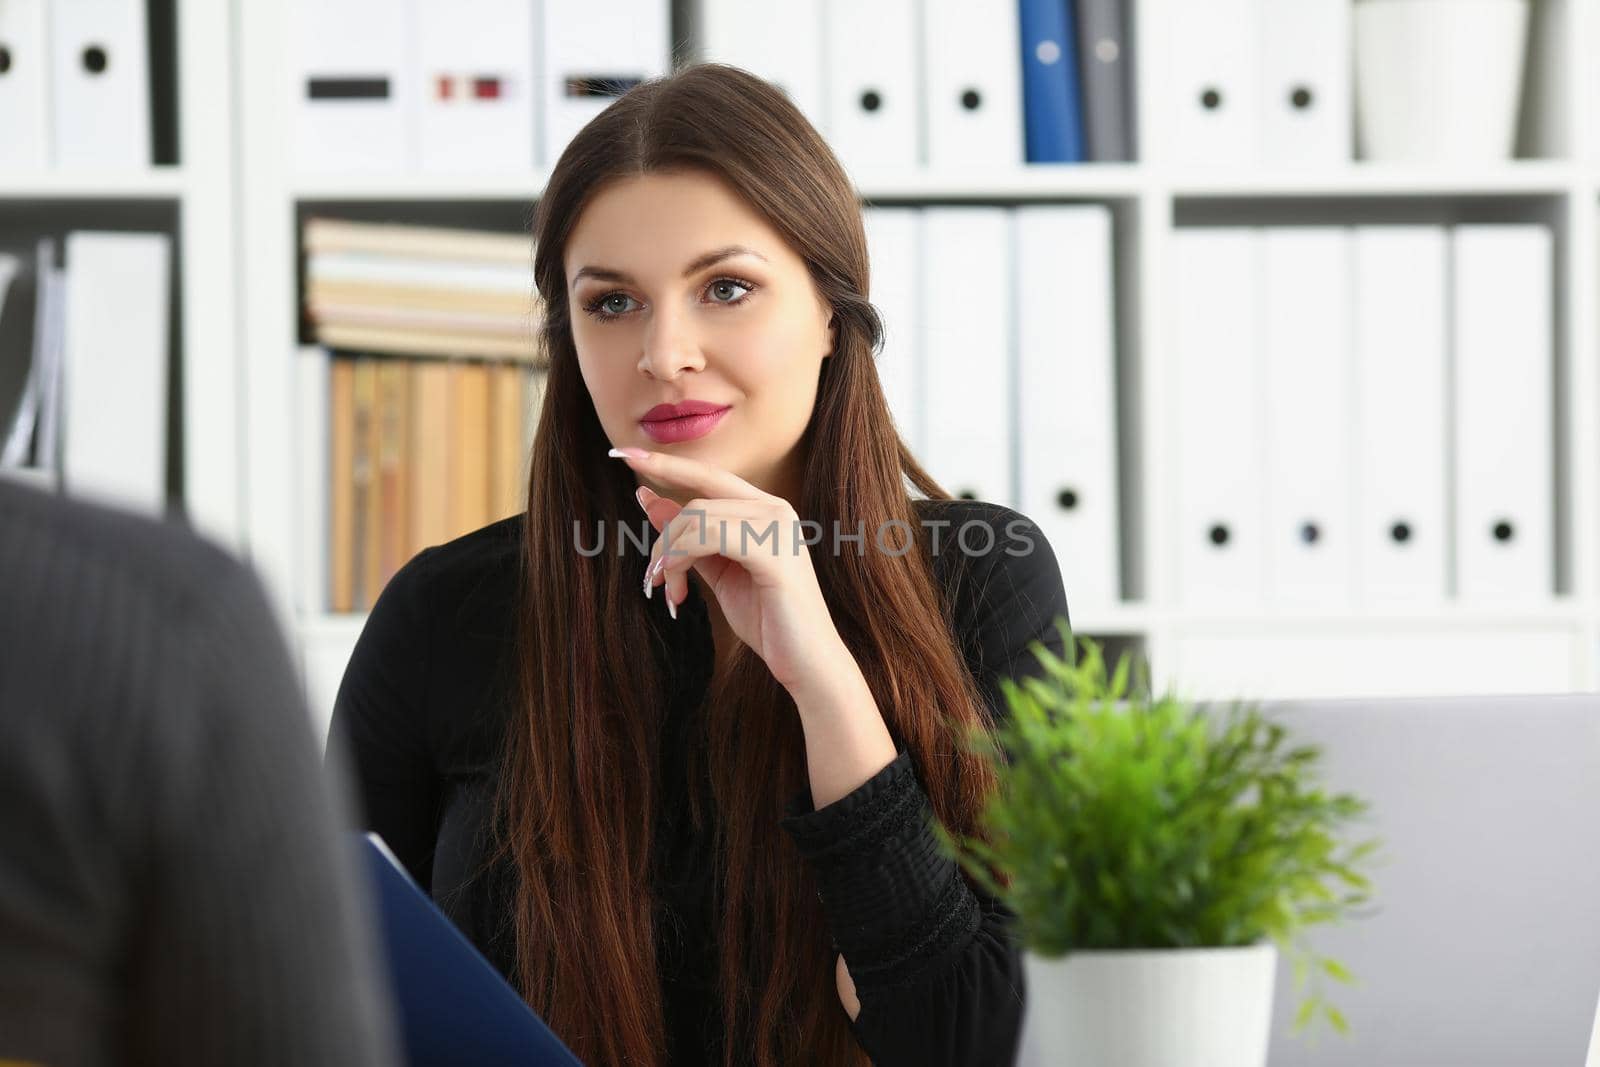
point(934, 961)
point(421, 711)
point(379, 724)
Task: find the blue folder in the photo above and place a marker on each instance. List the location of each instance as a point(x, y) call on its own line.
point(454, 1007)
point(1052, 101)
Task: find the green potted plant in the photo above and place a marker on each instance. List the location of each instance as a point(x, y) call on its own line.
point(1159, 857)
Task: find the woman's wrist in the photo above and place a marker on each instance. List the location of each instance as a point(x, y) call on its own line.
point(847, 740)
point(836, 680)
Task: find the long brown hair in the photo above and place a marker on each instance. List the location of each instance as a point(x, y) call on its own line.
point(576, 800)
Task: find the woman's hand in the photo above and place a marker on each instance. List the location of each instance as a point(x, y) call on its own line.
point(746, 545)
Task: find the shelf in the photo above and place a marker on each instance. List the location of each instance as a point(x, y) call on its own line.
point(1087, 181)
point(157, 183)
point(1534, 177)
point(32, 477)
point(1136, 619)
point(333, 627)
point(1116, 619)
point(371, 186)
point(1152, 203)
point(1562, 611)
point(1125, 619)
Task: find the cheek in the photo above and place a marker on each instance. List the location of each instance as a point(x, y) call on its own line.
point(593, 341)
point(606, 376)
point(779, 346)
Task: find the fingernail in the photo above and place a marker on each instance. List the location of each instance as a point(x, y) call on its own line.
point(638, 494)
point(629, 453)
point(672, 609)
point(647, 586)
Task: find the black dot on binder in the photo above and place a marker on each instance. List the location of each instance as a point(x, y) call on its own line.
point(1219, 534)
point(1211, 99)
point(1401, 532)
point(871, 100)
point(1067, 499)
point(5, 59)
point(1309, 533)
point(94, 59)
point(967, 494)
point(1300, 98)
point(1503, 530)
point(971, 99)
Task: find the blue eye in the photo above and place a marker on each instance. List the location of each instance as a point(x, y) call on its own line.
point(599, 304)
point(722, 282)
point(596, 308)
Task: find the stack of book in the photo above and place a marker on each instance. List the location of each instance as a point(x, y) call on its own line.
point(420, 291)
point(419, 397)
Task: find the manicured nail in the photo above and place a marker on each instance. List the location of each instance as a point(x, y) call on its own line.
point(629, 453)
point(650, 574)
point(638, 494)
point(672, 609)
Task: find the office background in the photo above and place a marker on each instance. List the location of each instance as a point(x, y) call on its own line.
point(1298, 422)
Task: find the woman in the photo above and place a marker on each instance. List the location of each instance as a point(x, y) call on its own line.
point(592, 782)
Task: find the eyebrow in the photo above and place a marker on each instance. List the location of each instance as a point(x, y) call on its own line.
point(607, 274)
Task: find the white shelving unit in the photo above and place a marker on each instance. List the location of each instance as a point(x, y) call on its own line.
point(1551, 644)
point(193, 200)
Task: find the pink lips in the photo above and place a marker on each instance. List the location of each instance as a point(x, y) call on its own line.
point(667, 423)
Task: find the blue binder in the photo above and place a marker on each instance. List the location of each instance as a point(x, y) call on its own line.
point(1052, 98)
point(454, 1007)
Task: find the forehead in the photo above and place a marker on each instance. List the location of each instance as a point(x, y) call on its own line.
point(657, 223)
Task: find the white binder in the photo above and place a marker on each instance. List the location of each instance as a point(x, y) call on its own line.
point(1401, 352)
point(1217, 394)
point(593, 53)
point(100, 82)
point(967, 311)
point(972, 63)
point(475, 86)
point(1306, 63)
point(778, 40)
point(354, 85)
point(25, 86)
point(874, 85)
point(1501, 306)
point(1066, 397)
point(1213, 82)
point(894, 248)
point(1308, 369)
point(114, 387)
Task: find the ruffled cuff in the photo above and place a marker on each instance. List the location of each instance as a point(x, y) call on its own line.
point(895, 904)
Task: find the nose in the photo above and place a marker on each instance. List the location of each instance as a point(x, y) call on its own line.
point(670, 346)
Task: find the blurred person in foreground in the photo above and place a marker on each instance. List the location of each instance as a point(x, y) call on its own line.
point(173, 884)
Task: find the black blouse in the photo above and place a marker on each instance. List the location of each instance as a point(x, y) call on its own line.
point(422, 708)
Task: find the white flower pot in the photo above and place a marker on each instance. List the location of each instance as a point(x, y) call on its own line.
point(1438, 80)
point(1188, 1007)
